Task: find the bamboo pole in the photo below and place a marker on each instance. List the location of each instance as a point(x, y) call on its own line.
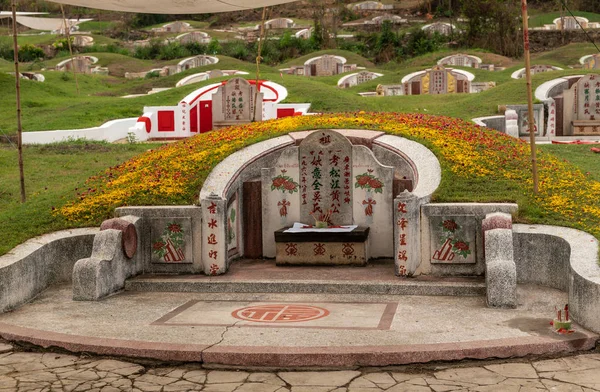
point(68, 34)
point(531, 121)
point(261, 38)
point(18, 88)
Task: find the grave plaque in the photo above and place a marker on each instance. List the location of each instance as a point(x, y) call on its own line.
point(171, 240)
point(326, 177)
point(452, 239)
point(234, 102)
point(587, 98)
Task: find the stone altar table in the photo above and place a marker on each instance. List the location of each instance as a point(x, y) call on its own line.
point(327, 248)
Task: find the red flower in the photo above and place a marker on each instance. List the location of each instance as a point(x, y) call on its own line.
point(158, 245)
point(375, 183)
point(174, 228)
point(450, 225)
point(279, 181)
point(362, 181)
point(462, 246)
point(289, 185)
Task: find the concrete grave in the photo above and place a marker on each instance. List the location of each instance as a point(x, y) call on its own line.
point(82, 64)
point(523, 119)
point(440, 28)
point(591, 61)
point(235, 103)
point(357, 78)
point(370, 5)
point(437, 80)
point(279, 23)
point(461, 60)
point(389, 90)
point(327, 65)
point(196, 61)
point(581, 113)
point(535, 69)
point(193, 37)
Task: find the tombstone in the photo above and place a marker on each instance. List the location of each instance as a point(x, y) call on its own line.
point(367, 5)
point(461, 60)
point(535, 69)
point(325, 65)
point(83, 64)
point(279, 23)
point(438, 80)
point(592, 62)
point(196, 61)
point(176, 27)
point(523, 119)
point(477, 87)
point(389, 90)
point(194, 37)
point(82, 40)
point(571, 23)
point(440, 27)
point(581, 107)
point(356, 79)
point(395, 19)
point(234, 103)
point(304, 33)
point(326, 174)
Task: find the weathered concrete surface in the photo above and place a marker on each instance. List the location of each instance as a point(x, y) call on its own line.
point(563, 258)
point(108, 267)
point(32, 267)
point(500, 273)
point(351, 330)
point(23, 371)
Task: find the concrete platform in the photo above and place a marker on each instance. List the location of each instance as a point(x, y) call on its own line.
point(260, 276)
point(294, 330)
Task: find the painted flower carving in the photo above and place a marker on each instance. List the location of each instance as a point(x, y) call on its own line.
point(369, 182)
point(450, 225)
point(284, 183)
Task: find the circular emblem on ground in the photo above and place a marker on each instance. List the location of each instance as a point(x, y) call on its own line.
point(280, 313)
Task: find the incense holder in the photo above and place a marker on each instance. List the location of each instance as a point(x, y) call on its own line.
point(562, 324)
point(321, 225)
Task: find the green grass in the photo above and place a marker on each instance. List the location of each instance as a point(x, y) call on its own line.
point(565, 55)
point(52, 174)
point(96, 26)
point(579, 155)
point(540, 20)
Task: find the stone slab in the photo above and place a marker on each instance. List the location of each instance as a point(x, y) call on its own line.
point(112, 329)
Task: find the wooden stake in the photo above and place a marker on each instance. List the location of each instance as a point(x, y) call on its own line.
point(18, 88)
point(68, 33)
point(261, 38)
point(532, 127)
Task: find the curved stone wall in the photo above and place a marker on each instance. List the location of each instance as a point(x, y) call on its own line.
point(565, 259)
point(32, 267)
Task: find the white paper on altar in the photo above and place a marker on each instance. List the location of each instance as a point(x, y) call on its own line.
point(302, 228)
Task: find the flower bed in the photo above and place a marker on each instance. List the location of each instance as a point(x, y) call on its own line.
point(478, 165)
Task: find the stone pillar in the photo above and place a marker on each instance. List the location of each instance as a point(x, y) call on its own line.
point(512, 123)
point(495, 220)
point(407, 234)
point(500, 271)
point(214, 256)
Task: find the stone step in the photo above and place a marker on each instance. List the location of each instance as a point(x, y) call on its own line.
point(222, 284)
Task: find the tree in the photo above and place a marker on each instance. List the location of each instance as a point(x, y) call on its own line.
point(494, 25)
